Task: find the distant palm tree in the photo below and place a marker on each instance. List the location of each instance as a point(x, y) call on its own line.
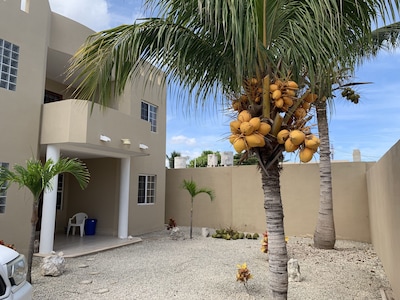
point(383, 38)
point(191, 187)
point(171, 159)
point(37, 178)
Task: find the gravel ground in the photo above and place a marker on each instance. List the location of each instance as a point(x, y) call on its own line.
point(205, 268)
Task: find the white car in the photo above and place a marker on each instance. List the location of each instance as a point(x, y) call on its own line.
point(13, 268)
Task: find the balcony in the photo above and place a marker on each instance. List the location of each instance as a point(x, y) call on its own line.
point(80, 132)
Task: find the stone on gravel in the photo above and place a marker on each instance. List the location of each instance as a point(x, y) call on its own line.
point(53, 265)
point(294, 270)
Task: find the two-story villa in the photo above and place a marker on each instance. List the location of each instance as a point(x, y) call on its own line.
point(123, 146)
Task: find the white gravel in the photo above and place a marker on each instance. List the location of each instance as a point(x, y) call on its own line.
point(205, 268)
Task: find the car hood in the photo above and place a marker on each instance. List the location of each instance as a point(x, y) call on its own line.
point(7, 254)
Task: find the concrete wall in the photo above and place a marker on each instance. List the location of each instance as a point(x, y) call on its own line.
point(384, 207)
point(239, 199)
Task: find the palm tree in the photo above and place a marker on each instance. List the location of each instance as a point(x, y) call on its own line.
point(213, 50)
point(383, 38)
point(37, 178)
point(191, 187)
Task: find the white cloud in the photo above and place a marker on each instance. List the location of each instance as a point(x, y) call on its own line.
point(91, 13)
point(181, 139)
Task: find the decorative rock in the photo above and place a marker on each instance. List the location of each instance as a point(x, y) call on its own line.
point(94, 273)
point(101, 291)
point(294, 270)
point(53, 265)
point(86, 282)
point(176, 234)
point(205, 232)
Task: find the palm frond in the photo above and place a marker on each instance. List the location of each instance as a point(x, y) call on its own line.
point(36, 176)
point(191, 187)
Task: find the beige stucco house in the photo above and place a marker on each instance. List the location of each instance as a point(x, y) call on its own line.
point(123, 146)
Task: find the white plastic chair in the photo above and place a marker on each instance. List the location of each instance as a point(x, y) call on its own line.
point(77, 220)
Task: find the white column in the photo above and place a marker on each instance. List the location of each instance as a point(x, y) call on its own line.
point(49, 207)
point(124, 198)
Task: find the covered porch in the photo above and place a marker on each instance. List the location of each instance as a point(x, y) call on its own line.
point(75, 245)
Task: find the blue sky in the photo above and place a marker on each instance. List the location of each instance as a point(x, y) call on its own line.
point(372, 126)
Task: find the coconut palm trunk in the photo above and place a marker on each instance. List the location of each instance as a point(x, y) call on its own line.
point(277, 252)
point(324, 236)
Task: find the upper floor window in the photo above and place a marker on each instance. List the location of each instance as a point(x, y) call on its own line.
point(147, 189)
point(3, 193)
point(149, 113)
point(9, 54)
point(51, 97)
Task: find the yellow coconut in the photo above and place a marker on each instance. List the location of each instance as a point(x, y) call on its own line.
point(290, 147)
point(273, 87)
point(297, 137)
point(235, 126)
point(312, 142)
point(288, 101)
point(279, 83)
point(233, 138)
point(276, 94)
point(255, 140)
point(311, 97)
point(253, 81)
point(264, 128)
point(300, 113)
point(306, 154)
point(243, 98)
point(246, 128)
point(255, 122)
point(236, 105)
point(291, 93)
point(279, 103)
point(292, 85)
point(244, 116)
point(306, 105)
point(282, 136)
point(239, 145)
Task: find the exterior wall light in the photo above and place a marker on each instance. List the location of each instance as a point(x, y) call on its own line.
point(104, 138)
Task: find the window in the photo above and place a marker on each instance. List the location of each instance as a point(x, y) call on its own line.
point(60, 186)
point(9, 54)
point(147, 189)
point(149, 113)
point(3, 192)
point(51, 97)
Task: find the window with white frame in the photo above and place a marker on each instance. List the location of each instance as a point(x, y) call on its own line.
point(148, 112)
point(3, 192)
point(147, 189)
point(9, 54)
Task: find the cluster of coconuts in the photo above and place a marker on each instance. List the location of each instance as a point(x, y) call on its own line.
point(283, 95)
point(297, 139)
point(248, 132)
